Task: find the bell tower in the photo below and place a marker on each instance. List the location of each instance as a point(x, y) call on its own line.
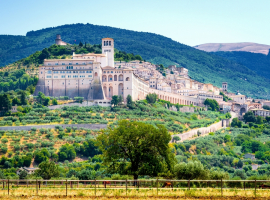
point(108, 50)
point(225, 86)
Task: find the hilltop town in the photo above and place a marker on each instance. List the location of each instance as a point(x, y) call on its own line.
point(98, 77)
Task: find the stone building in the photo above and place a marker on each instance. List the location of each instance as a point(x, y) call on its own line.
point(98, 77)
point(92, 76)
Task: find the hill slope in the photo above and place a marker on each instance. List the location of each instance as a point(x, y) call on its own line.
point(204, 67)
point(257, 62)
point(241, 46)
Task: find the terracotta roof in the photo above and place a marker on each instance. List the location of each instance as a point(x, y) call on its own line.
point(107, 39)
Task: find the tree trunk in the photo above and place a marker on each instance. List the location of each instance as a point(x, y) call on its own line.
point(135, 179)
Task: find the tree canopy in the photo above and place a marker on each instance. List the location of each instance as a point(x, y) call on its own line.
point(136, 148)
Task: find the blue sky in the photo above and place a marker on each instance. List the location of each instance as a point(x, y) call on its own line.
point(191, 22)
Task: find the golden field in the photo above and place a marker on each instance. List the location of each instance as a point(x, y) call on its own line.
point(104, 194)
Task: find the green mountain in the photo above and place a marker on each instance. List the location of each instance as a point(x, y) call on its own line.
point(204, 67)
point(260, 63)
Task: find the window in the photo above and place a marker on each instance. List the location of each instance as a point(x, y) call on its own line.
point(63, 76)
point(63, 63)
point(70, 63)
point(109, 43)
point(41, 72)
point(77, 63)
point(56, 63)
point(89, 75)
point(55, 77)
point(111, 71)
point(49, 76)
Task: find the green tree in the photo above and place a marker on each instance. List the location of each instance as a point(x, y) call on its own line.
point(2, 175)
point(23, 174)
point(48, 169)
point(5, 102)
point(15, 101)
point(115, 100)
point(249, 117)
point(46, 101)
point(212, 103)
point(120, 99)
point(89, 148)
point(151, 98)
point(54, 101)
point(259, 120)
point(23, 98)
point(191, 170)
point(81, 44)
point(176, 138)
point(236, 123)
point(240, 164)
point(136, 148)
point(67, 151)
point(42, 155)
point(41, 96)
point(266, 107)
point(130, 103)
point(27, 161)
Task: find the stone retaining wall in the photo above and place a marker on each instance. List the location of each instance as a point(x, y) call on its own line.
point(203, 130)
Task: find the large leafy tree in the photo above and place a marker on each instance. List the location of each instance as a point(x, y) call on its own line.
point(136, 148)
point(48, 169)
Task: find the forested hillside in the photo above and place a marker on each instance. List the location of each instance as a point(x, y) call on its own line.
point(257, 62)
point(204, 67)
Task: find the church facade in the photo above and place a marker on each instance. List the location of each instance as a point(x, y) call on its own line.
point(92, 76)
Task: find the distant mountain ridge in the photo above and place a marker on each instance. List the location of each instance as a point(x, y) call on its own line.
point(242, 46)
point(203, 66)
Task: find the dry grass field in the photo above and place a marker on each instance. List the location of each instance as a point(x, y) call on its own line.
point(206, 193)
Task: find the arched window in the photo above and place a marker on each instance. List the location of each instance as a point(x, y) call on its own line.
point(127, 79)
point(110, 91)
point(109, 43)
point(120, 77)
point(106, 43)
point(110, 78)
point(104, 78)
point(115, 77)
point(96, 74)
point(120, 89)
